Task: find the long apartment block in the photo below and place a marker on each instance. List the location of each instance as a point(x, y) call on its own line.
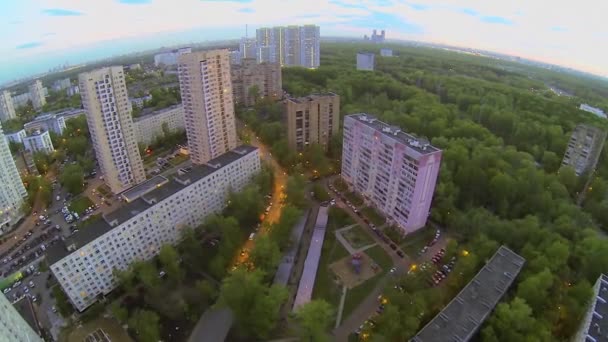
point(393, 170)
point(584, 148)
point(155, 214)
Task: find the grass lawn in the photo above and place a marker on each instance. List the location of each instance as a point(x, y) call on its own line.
point(354, 198)
point(357, 237)
point(103, 189)
point(320, 193)
point(80, 204)
point(374, 216)
point(109, 326)
point(414, 242)
point(356, 295)
point(325, 287)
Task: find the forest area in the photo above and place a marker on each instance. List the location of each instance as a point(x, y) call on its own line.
point(503, 134)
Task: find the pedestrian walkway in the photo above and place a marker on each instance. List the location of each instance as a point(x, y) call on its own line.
point(351, 250)
point(341, 307)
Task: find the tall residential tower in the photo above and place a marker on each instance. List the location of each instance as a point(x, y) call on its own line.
point(393, 170)
point(12, 190)
point(108, 110)
point(36, 91)
point(13, 327)
point(206, 88)
point(266, 77)
point(290, 45)
point(7, 108)
point(312, 119)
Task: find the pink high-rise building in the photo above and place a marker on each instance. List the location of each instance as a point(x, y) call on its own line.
point(394, 171)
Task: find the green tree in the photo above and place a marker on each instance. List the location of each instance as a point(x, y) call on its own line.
point(246, 205)
point(514, 322)
point(294, 190)
point(254, 93)
point(207, 290)
point(170, 260)
point(147, 273)
point(77, 145)
point(72, 178)
point(265, 254)
point(568, 178)
point(313, 319)
point(126, 279)
point(535, 289)
point(119, 312)
point(146, 325)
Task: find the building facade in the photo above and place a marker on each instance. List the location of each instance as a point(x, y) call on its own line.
point(7, 108)
point(594, 324)
point(73, 90)
point(386, 52)
point(265, 76)
point(47, 122)
point(149, 127)
point(248, 48)
point(206, 88)
point(38, 141)
point(37, 95)
point(12, 190)
point(584, 148)
point(21, 100)
point(16, 137)
point(375, 37)
point(235, 57)
point(155, 215)
point(290, 45)
point(108, 111)
point(13, 328)
point(312, 119)
point(393, 170)
point(59, 85)
point(170, 57)
point(139, 101)
point(365, 61)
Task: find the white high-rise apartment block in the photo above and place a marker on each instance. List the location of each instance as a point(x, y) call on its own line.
point(39, 142)
point(310, 36)
point(206, 88)
point(108, 110)
point(13, 328)
point(156, 213)
point(150, 126)
point(7, 108)
point(290, 45)
point(12, 190)
point(248, 48)
point(36, 91)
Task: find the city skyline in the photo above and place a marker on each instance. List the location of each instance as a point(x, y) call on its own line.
point(558, 37)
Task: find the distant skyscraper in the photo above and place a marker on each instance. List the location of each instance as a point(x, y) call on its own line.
point(36, 91)
point(290, 46)
point(13, 327)
point(12, 190)
point(376, 38)
point(393, 170)
point(266, 76)
point(108, 110)
point(7, 109)
point(206, 88)
point(312, 119)
point(248, 48)
point(365, 61)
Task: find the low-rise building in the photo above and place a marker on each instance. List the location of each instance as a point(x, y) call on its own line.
point(47, 122)
point(155, 215)
point(149, 126)
point(365, 61)
point(595, 323)
point(16, 137)
point(38, 141)
point(70, 113)
point(385, 52)
point(464, 315)
point(312, 119)
point(266, 77)
point(393, 170)
point(584, 148)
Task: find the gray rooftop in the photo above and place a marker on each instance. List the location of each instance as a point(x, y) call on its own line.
point(421, 146)
point(311, 97)
point(462, 317)
point(143, 188)
point(128, 210)
point(150, 112)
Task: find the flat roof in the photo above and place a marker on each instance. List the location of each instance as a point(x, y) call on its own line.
point(143, 188)
point(148, 114)
point(366, 53)
point(311, 97)
point(421, 146)
point(213, 326)
point(599, 318)
point(311, 264)
point(137, 206)
point(462, 317)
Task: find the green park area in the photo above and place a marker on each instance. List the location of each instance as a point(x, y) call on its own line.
point(356, 237)
point(373, 216)
point(80, 204)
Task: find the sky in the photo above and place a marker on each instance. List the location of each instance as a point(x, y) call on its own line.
point(36, 35)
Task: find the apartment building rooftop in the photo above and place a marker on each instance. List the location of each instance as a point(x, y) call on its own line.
point(157, 190)
point(420, 145)
point(143, 188)
point(463, 316)
point(597, 329)
point(310, 97)
point(150, 112)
